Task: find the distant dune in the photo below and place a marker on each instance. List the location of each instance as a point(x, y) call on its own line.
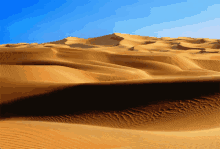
point(116, 91)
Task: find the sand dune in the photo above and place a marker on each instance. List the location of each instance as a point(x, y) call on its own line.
point(116, 91)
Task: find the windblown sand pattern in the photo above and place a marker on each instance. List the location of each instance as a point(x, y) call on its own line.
point(117, 91)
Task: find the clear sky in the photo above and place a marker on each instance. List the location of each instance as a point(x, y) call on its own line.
point(50, 20)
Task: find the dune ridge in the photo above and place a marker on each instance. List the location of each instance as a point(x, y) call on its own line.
point(114, 91)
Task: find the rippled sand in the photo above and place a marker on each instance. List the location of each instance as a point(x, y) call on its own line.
point(117, 91)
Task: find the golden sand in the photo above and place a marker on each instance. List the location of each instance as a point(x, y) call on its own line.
point(117, 91)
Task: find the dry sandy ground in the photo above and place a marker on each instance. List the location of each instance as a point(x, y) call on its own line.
point(117, 91)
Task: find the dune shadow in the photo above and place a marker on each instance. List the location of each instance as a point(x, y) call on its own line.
point(179, 47)
point(63, 41)
point(107, 40)
point(87, 98)
point(216, 45)
point(199, 41)
point(148, 42)
point(81, 45)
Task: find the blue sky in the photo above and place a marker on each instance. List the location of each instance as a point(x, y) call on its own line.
point(50, 20)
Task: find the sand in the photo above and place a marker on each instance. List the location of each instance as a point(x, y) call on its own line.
point(117, 91)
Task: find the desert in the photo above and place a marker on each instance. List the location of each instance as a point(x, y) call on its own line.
point(118, 91)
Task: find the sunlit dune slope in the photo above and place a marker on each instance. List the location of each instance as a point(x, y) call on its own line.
point(29, 134)
point(137, 91)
